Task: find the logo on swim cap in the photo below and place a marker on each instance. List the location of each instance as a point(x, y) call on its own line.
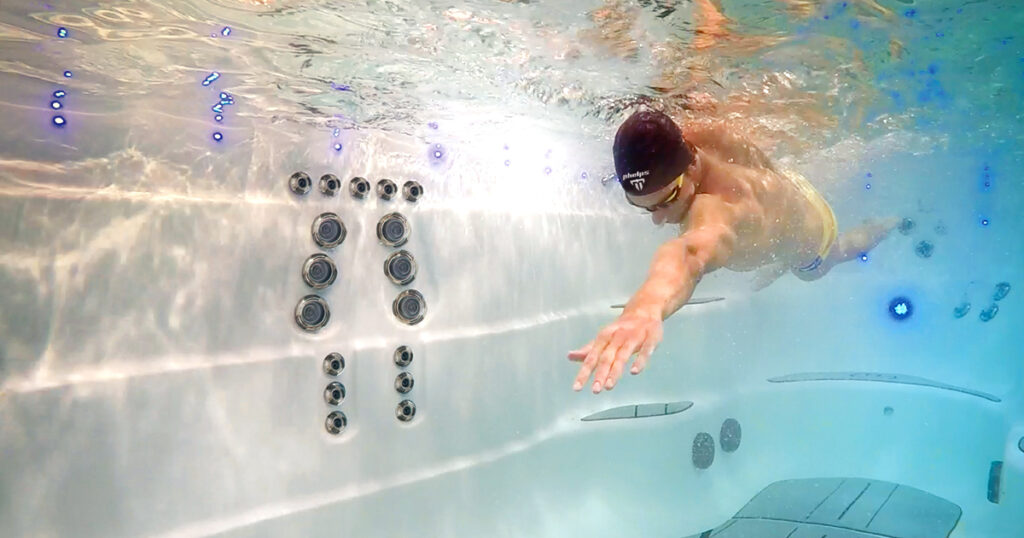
point(636, 179)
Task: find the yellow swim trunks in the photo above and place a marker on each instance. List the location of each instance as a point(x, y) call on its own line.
point(830, 228)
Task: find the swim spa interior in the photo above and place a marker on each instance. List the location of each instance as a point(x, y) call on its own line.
point(298, 268)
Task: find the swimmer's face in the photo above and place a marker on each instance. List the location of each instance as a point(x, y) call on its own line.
point(668, 204)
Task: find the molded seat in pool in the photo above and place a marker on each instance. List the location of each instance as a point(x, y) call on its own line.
point(840, 508)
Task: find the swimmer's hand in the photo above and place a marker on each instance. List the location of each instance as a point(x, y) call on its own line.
point(606, 355)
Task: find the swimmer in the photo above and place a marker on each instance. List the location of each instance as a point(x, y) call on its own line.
point(735, 211)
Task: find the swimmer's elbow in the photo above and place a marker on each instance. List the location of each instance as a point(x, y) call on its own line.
point(710, 250)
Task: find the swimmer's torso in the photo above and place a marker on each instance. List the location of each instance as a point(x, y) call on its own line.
point(777, 223)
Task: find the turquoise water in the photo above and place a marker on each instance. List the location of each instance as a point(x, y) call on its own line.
point(153, 380)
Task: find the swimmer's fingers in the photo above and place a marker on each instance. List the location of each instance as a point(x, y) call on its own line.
point(592, 356)
point(604, 364)
point(646, 351)
point(628, 348)
point(577, 355)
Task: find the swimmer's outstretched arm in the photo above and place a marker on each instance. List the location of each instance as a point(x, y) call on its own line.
point(677, 267)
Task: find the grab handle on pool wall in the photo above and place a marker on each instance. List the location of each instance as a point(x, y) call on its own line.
point(699, 300)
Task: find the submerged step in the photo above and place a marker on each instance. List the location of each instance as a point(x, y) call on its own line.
point(880, 378)
point(639, 411)
point(840, 508)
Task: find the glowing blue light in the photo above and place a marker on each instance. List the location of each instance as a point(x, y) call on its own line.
point(59, 121)
point(62, 32)
point(984, 222)
point(55, 105)
point(337, 132)
point(584, 175)
point(226, 31)
point(337, 146)
point(218, 137)
point(867, 186)
point(218, 117)
point(218, 108)
point(210, 78)
point(438, 152)
point(863, 256)
point(901, 308)
point(67, 74)
point(59, 93)
point(226, 98)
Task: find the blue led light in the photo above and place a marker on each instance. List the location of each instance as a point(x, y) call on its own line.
point(218, 137)
point(984, 222)
point(863, 256)
point(437, 153)
point(226, 31)
point(62, 32)
point(67, 74)
point(59, 121)
point(901, 308)
point(867, 186)
point(337, 146)
point(55, 105)
point(218, 118)
point(218, 108)
point(59, 93)
point(337, 132)
point(210, 78)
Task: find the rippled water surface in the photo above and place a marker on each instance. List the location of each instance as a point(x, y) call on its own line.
point(799, 73)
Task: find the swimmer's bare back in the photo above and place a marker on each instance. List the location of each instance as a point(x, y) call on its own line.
point(775, 222)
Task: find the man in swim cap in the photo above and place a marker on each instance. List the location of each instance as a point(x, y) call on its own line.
point(735, 210)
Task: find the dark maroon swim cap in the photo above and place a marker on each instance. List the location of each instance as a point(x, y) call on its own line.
point(649, 152)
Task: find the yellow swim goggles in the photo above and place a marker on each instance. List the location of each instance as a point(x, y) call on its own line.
point(665, 202)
